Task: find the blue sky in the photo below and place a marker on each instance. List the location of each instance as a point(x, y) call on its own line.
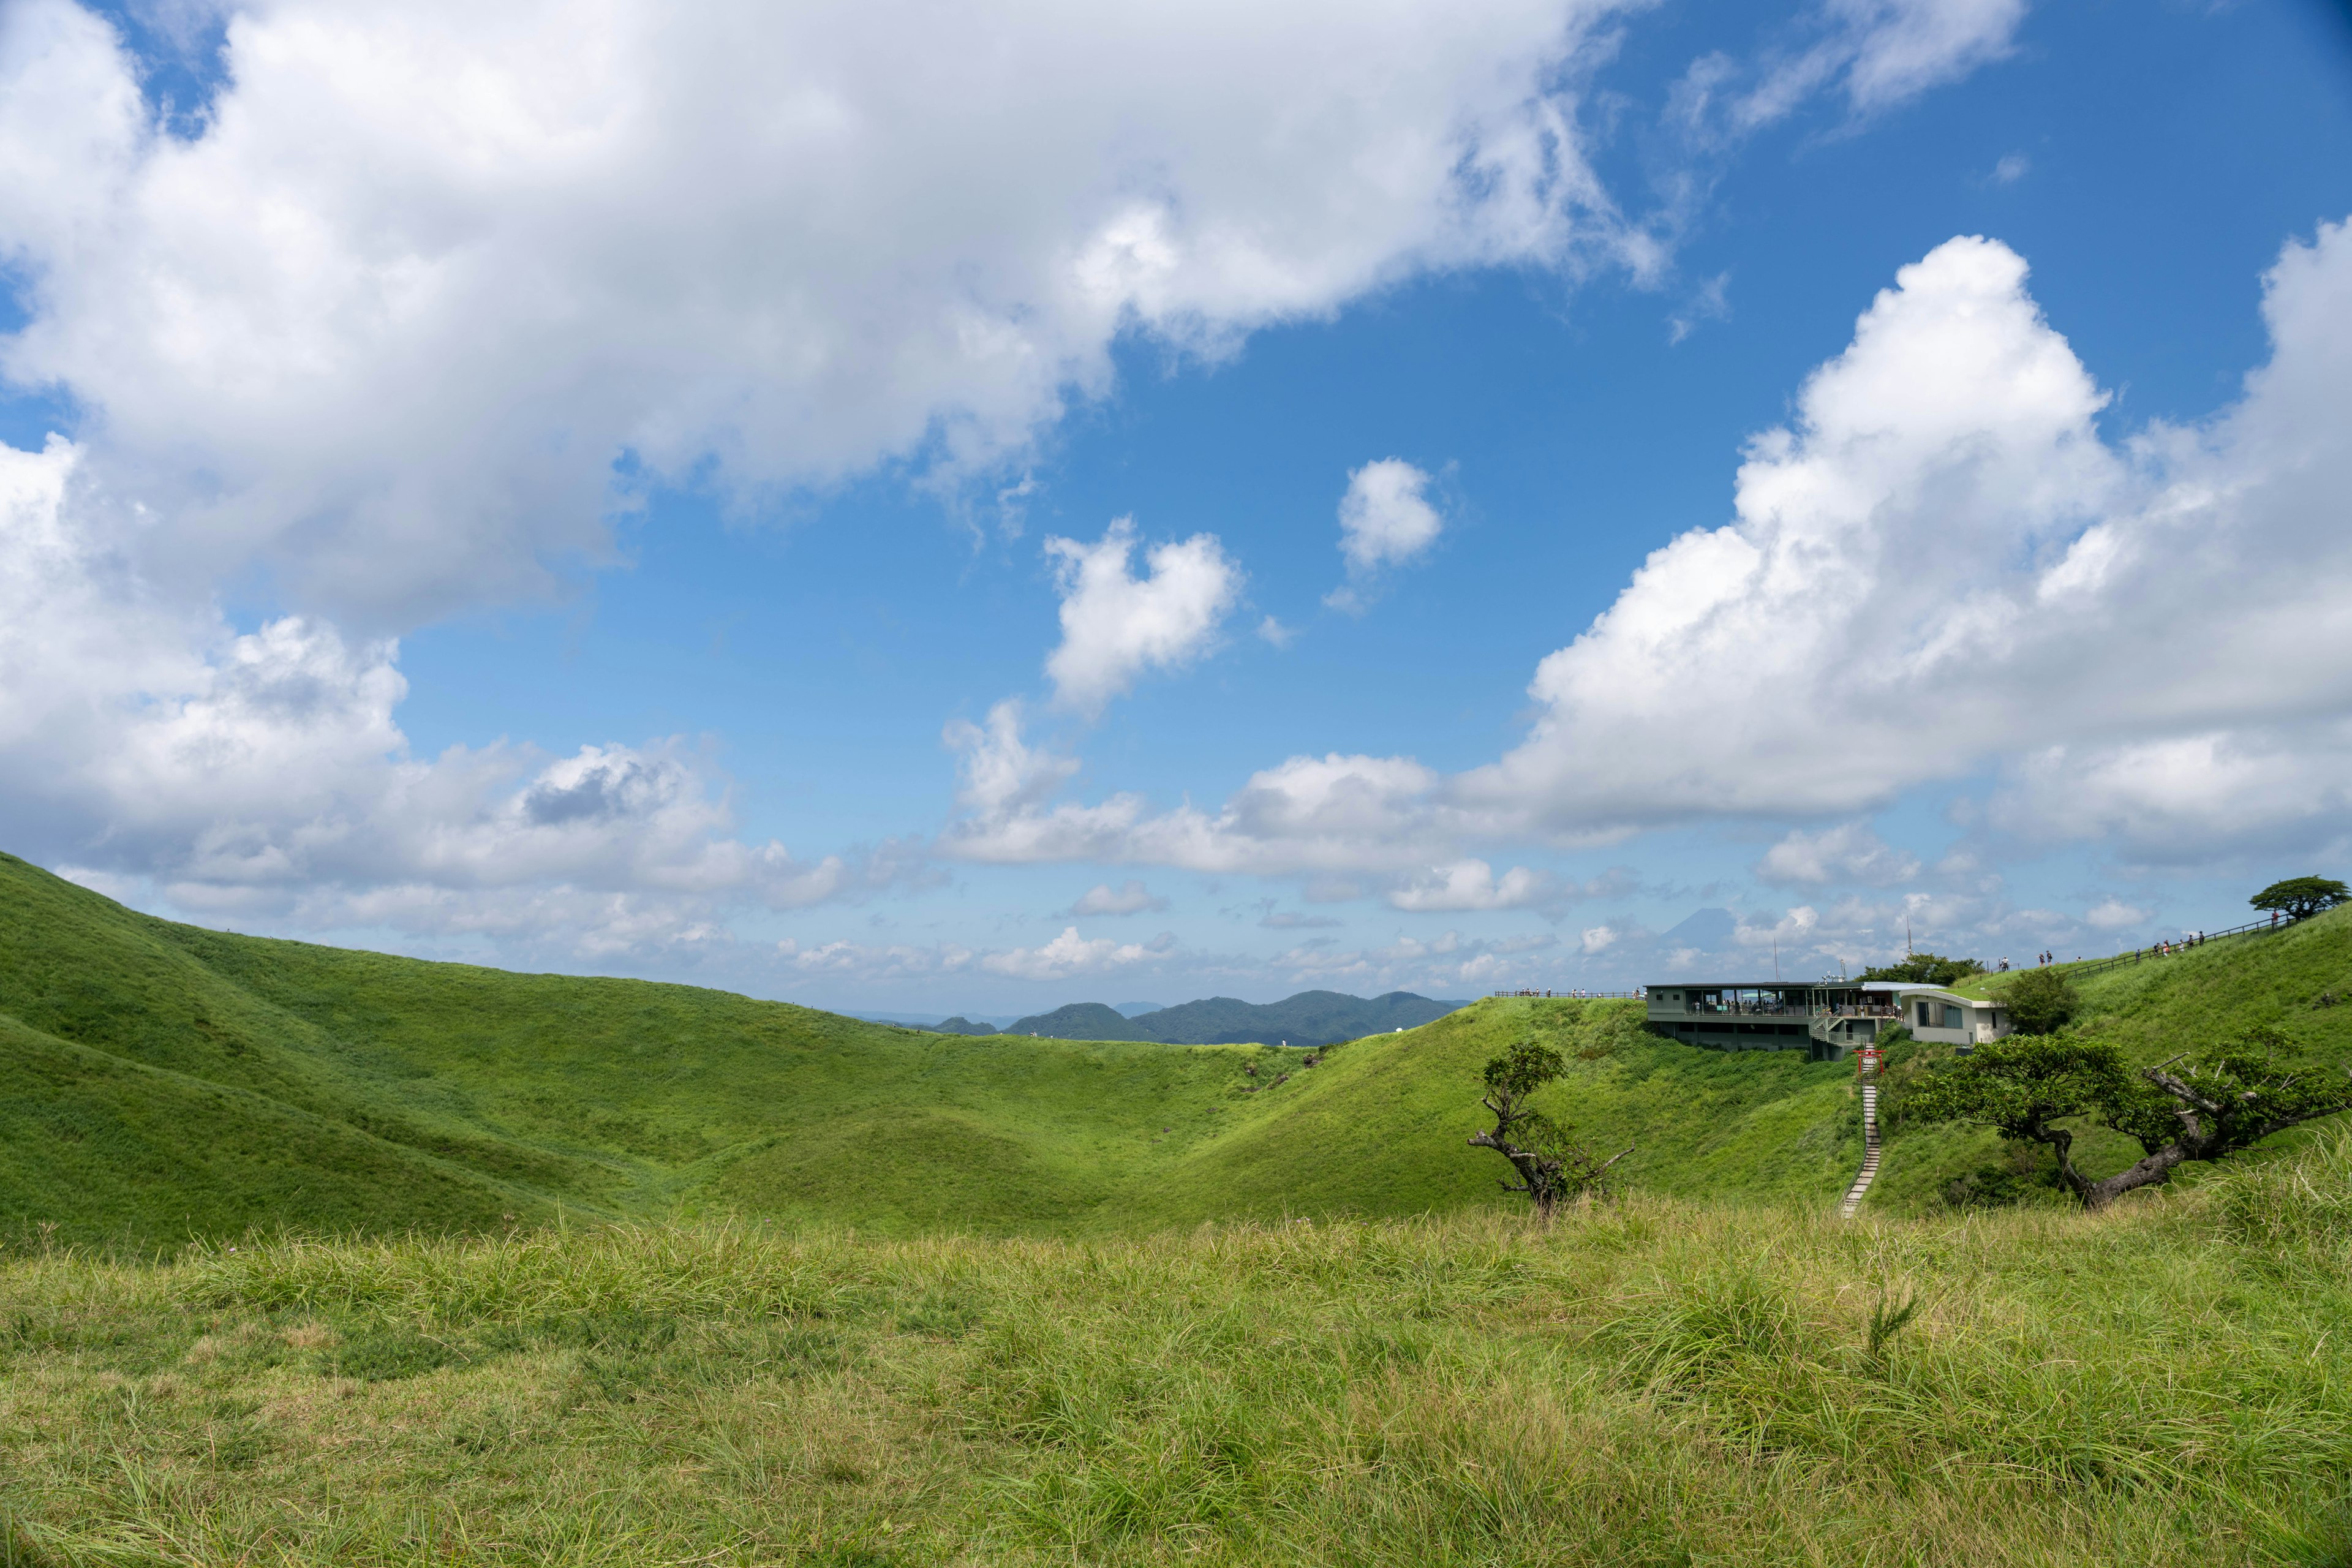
point(647, 500)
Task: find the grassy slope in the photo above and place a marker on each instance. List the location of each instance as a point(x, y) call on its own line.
point(2154, 1010)
point(1656, 1382)
point(448, 1093)
point(186, 1081)
point(1380, 1127)
point(117, 1147)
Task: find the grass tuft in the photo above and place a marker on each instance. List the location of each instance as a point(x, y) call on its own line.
point(1650, 1381)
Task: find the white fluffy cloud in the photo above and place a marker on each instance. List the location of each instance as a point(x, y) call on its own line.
point(1849, 852)
point(1385, 520)
point(1473, 885)
point(2113, 914)
point(1129, 897)
point(140, 736)
point(425, 272)
point(1070, 954)
point(1116, 625)
point(1944, 566)
point(1066, 957)
point(1939, 567)
point(1309, 814)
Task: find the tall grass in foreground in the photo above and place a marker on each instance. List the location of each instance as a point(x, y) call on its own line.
point(1644, 1382)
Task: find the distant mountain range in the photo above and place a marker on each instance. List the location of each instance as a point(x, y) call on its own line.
point(1309, 1018)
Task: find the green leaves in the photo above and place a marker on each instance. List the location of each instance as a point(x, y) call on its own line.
point(2226, 1098)
point(2041, 1001)
point(1522, 1069)
point(2298, 898)
point(2021, 1084)
point(1926, 969)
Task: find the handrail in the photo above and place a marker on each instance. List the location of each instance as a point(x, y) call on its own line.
point(1634, 996)
point(2077, 967)
point(2084, 966)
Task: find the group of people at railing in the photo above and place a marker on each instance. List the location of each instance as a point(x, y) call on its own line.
point(1578, 995)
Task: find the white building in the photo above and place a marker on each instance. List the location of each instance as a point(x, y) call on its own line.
point(1946, 1017)
point(1824, 1018)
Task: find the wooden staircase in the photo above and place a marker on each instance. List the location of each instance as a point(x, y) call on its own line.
point(1869, 1069)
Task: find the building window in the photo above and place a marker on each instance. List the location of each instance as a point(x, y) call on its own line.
point(1952, 1017)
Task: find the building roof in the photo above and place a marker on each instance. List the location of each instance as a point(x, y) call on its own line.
point(1911, 990)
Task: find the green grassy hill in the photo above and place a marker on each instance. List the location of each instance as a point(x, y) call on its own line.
point(2153, 1010)
point(1649, 1383)
point(164, 1082)
point(171, 1082)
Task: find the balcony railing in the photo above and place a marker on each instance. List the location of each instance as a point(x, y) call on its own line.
point(1789, 1010)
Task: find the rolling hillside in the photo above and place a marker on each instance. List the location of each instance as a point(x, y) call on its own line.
point(166, 1082)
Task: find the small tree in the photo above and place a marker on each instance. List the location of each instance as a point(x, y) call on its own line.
point(1926, 969)
point(2021, 1088)
point(2041, 1001)
point(1549, 1163)
point(2299, 897)
point(2223, 1099)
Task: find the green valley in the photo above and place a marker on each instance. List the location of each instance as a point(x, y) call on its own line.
point(315, 1256)
point(168, 1083)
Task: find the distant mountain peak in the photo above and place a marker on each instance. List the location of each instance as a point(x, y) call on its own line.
point(1309, 1018)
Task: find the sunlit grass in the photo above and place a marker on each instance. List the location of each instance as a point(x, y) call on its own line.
point(1652, 1382)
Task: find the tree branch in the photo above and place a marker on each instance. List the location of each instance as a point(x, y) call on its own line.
point(2182, 1091)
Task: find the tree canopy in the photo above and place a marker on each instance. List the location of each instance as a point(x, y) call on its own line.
point(1544, 1154)
point(1926, 969)
point(2041, 1001)
point(2299, 897)
point(2198, 1106)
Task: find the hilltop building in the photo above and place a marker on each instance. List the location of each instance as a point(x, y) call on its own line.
point(1823, 1018)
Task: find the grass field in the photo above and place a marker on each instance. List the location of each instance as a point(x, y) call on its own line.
point(1654, 1382)
point(309, 1256)
point(174, 1083)
point(168, 1083)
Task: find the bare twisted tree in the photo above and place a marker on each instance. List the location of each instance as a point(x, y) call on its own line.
point(1551, 1166)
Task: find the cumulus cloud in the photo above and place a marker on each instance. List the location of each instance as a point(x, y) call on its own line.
point(1943, 565)
point(1385, 520)
point(1129, 897)
point(1308, 814)
point(394, 308)
point(1850, 852)
point(1066, 956)
point(1938, 567)
point(1473, 885)
point(1070, 954)
point(2113, 914)
point(1116, 625)
point(263, 773)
